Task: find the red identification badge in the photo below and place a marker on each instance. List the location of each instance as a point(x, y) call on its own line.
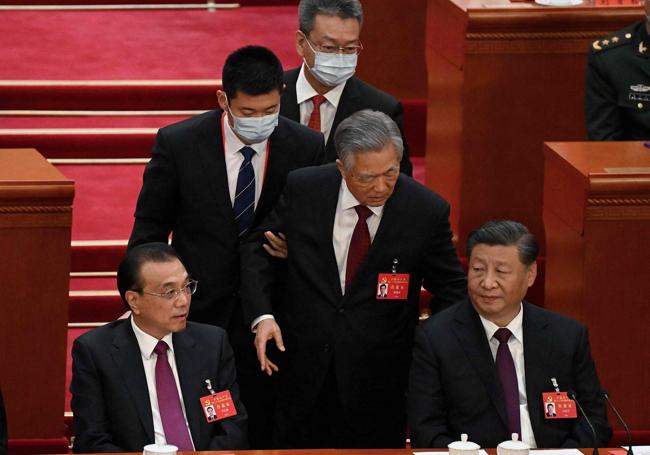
point(557, 405)
point(218, 406)
point(393, 286)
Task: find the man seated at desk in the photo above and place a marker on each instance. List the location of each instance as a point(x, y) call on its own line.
point(141, 380)
point(487, 365)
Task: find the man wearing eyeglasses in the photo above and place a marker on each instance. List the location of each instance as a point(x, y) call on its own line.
point(139, 381)
point(350, 226)
point(323, 91)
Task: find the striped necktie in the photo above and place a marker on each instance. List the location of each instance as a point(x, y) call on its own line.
point(244, 205)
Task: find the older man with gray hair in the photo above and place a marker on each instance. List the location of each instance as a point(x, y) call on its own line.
point(351, 227)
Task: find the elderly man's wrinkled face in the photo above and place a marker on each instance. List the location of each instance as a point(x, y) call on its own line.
point(372, 175)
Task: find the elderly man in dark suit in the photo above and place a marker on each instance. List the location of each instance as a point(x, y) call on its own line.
point(324, 91)
point(210, 180)
point(481, 367)
point(350, 226)
point(139, 380)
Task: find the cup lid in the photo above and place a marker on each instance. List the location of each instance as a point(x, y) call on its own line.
point(464, 444)
point(514, 444)
point(159, 448)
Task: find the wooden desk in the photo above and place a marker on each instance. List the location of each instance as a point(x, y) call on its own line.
point(503, 78)
point(35, 223)
point(341, 452)
point(597, 218)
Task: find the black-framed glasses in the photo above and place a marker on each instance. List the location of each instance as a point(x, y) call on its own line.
point(173, 294)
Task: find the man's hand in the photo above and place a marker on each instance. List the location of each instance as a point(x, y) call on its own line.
point(277, 246)
point(266, 330)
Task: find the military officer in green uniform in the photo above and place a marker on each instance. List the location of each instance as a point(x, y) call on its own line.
point(617, 91)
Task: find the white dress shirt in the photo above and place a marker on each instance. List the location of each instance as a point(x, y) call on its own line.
point(516, 346)
point(232, 145)
point(305, 92)
point(345, 221)
point(147, 343)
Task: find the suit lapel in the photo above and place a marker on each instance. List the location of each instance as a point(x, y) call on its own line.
point(536, 352)
point(188, 365)
point(471, 336)
point(289, 107)
point(128, 359)
point(211, 153)
point(276, 168)
point(326, 212)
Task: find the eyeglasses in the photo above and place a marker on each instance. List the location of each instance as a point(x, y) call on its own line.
point(173, 294)
point(330, 49)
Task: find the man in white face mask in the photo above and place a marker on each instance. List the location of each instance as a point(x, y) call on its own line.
point(211, 179)
point(324, 91)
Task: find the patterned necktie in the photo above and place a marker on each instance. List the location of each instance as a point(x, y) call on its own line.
point(508, 376)
point(359, 244)
point(244, 205)
point(169, 403)
point(314, 118)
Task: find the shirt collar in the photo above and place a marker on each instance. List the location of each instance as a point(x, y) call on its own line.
point(348, 201)
point(146, 342)
point(515, 326)
point(233, 144)
point(305, 92)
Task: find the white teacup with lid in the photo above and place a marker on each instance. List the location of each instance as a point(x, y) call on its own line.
point(463, 447)
point(159, 449)
point(513, 447)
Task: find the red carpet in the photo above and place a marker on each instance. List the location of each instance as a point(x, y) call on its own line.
point(89, 121)
point(105, 198)
point(158, 44)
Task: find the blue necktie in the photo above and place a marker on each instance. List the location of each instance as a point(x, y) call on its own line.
point(244, 205)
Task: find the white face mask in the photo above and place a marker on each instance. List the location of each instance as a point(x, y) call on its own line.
point(254, 129)
point(332, 69)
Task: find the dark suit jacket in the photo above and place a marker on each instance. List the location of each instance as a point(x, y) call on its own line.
point(110, 400)
point(366, 340)
point(3, 427)
point(185, 191)
point(357, 95)
point(454, 386)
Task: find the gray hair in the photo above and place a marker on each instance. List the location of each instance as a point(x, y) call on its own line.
point(366, 131)
point(505, 233)
point(345, 9)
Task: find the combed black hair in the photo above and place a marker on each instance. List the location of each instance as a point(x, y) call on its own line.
point(253, 70)
point(505, 232)
point(128, 272)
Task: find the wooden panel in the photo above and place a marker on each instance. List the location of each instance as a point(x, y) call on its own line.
point(35, 222)
point(503, 78)
point(597, 262)
point(393, 41)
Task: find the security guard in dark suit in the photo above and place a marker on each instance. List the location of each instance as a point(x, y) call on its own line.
point(617, 91)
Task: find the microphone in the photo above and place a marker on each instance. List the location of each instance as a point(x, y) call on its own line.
point(620, 419)
point(572, 395)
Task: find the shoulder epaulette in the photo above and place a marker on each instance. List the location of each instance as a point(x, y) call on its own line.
point(615, 39)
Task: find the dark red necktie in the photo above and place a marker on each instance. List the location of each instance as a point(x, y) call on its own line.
point(314, 118)
point(169, 403)
point(508, 376)
point(359, 244)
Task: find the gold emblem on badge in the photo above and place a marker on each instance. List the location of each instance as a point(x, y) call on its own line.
point(605, 42)
point(642, 48)
point(615, 39)
point(596, 45)
point(628, 35)
point(640, 105)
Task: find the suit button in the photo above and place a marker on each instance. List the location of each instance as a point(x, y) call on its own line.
point(341, 310)
point(326, 348)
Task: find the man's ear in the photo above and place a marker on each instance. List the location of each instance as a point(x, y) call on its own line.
point(532, 273)
point(133, 300)
point(341, 167)
point(222, 99)
point(300, 41)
